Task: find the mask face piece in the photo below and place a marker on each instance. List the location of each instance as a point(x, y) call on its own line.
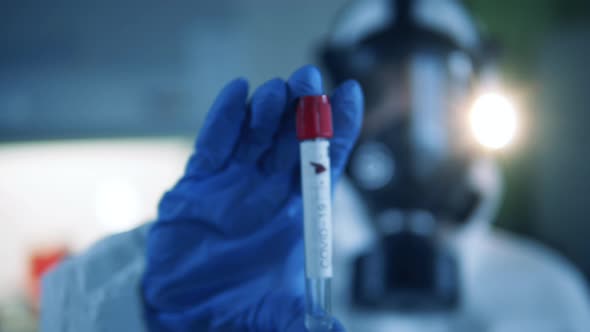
point(413, 134)
point(410, 167)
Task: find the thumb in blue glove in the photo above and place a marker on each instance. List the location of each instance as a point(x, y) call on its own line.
point(226, 252)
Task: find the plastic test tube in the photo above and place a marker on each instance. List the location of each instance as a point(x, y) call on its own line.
point(314, 129)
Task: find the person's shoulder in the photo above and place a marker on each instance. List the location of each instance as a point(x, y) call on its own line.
point(108, 257)
point(98, 288)
point(111, 256)
point(533, 254)
point(520, 276)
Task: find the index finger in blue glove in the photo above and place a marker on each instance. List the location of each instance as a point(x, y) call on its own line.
point(266, 110)
point(347, 118)
point(305, 81)
point(221, 129)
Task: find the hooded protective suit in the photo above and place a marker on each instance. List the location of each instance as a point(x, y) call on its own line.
point(389, 213)
point(508, 283)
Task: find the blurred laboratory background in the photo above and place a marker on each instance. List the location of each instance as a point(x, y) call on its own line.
point(100, 102)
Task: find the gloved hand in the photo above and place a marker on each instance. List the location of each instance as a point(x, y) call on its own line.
point(226, 253)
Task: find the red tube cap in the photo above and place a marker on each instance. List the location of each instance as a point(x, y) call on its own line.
point(314, 118)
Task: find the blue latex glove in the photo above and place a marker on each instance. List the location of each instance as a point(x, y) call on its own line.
point(226, 253)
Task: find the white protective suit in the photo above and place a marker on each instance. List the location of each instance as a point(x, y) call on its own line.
point(508, 284)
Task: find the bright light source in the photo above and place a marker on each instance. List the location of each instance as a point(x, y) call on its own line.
point(117, 205)
point(493, 120)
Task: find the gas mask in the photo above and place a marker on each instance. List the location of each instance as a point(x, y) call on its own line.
point(409, 167)
point(419, 63)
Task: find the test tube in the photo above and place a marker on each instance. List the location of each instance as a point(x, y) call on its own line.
point(314, 129)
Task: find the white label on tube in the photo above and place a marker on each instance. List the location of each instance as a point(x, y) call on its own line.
point(317, 207)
